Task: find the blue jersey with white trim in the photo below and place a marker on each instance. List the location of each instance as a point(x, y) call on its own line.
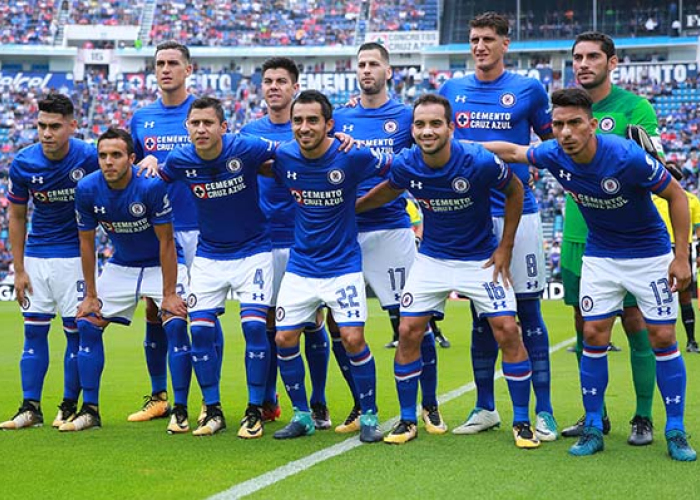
point(126, 215)
point(325, 190)
point(504, 109)
point(275, 200)
point(455, 199)
point(231, 223)
point(51, 186)
point(613, 193)
point(386, 130)
point(156, 130)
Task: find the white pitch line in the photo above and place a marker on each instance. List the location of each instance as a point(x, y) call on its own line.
point(275, 476)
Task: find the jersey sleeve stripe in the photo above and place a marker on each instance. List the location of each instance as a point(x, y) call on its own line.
point(17, 199)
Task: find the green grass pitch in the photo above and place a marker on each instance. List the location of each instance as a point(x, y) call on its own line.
point(139, 460)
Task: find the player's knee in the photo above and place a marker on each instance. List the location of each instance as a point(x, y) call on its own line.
point(507, 334)
point(595, 333)
point(662, 336)
point(287, 338)
point(411, 333)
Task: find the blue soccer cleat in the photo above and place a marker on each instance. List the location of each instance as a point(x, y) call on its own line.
point(678, 447)
point(590, 442)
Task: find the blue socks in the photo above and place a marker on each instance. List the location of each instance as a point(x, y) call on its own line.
point(407, 387)
point(293, 373)
point(536, 340)
point(364, 374)
point(318, 352)
point(671, 379)
point(594, 381)
point(218, 344)
point(341, 357)
point(155, 347)
point(271, 382)
point(71, 376)
point(205, 359)
point(35, 356)
point(257, 352)
point(518, 377)
point(428, 378)
point(179, 358)
point(91, 360)
point(484, 354)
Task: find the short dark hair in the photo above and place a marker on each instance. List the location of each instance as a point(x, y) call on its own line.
point(118, 133)
point(173, 45)
point(435, 99)
point(498, 22)
point(577, 98)
point(284, 63)
point(206, 103)
point(311, 96)
point(606, 43)
point(57, 103)
point(375, 46)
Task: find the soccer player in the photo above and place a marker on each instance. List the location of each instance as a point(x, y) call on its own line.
point(325, 263)
point(594, 59)
point(279, 85)
point(233, 253)
point(627, 251)
point(385, 235)
point(685, 297)
point(495, 104)
point(136, 214)
point(48, 277)
point(156, 130)
point(452, 182)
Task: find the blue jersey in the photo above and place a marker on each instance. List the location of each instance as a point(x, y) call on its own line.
point(613, 194)
point(51, 186)
point(231, 223)
point(156, 130)
point(386, 130)
point(325, 189)
point(127, 216)
point(501, 110)
point(455, 199)
point(276, 202)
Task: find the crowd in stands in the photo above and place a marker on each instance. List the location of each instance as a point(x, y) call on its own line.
point(28, 22)
point(106, 12)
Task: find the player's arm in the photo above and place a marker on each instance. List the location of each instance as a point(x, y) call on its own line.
point(379, 196)
point(507, 151)
point(18, 236)
point(172, 303)
point(88, 259)
point(513, 210)
point(679, 271)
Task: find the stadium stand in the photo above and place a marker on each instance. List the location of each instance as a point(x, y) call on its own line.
point(27, 22)
point(107, 12)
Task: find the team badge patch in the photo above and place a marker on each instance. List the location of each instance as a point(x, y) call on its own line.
point(150, 143)
point(280, 314)
point(610, 185)
point(606, 124)
point(234, 165)
point(76, 174)
point(191, 300)
point(199, 191)
point(390, 126)
point(406, 299)
point(462, 119)
point(460, 185)
point(507, 100)
point(336, 176)
point(137, 209)
point(586, 303)
point(25, 303)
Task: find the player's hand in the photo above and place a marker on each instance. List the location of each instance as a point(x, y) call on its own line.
point(173, 305)
point(23, 286)
point(679, 274)
point(500, 260)
point(90, 306)
point(353, 101)
point(346, 141)
point(534, 176)
point(150, 165)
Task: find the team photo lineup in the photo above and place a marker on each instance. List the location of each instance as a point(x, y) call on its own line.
point(298, 213)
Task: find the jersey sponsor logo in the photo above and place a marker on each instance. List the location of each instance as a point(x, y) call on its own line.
point(191, 300)
point(610, 185)
point(336, 176)
point(586, 303)
point(76, 174)
point(445, 204)
point(55, 195)
point(137, 209)
point(150, 143)
point(507, 100)
point(406, 299)
point(462, 119)
point(486, 120)
point(331, 198)
point(40, 196)
point(607, 123)
point(280, 313)
point(391, 126)
point(199, 191)
point(234, 165)
point(460, 185)
point(219, 189)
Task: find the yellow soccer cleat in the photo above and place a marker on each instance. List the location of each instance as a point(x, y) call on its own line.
point(402, 433)
point(155, 406)
point(524, 437)
point(434, 424)
point(178, 420)
point(252, 423)
point(351, 423)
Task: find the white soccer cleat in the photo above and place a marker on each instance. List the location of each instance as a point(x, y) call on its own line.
point(479, 420)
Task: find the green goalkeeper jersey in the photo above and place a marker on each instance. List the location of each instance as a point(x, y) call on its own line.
point(619, 109)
